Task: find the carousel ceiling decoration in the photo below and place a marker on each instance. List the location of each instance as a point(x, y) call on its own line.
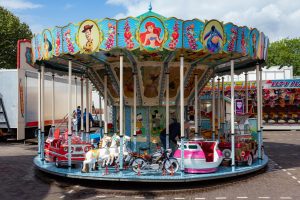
point(152, 45)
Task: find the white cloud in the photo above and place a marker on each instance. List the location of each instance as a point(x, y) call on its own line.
point(276, 18)
point(19, 4)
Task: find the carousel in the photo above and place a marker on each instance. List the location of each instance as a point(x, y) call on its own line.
point(150, 71)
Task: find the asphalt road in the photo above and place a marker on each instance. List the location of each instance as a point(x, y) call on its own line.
point(280, 180)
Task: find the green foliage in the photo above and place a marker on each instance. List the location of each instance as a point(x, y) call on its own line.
point(11, 30)
point(285, 52)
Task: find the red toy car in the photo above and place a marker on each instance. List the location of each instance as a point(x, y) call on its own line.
point(56, 149)
point(246, 149)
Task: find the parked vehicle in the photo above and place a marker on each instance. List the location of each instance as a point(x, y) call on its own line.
point(160, 160)
point(56, 149)
point(200, 156)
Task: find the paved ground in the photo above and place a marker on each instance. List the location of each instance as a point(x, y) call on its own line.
point(280, 180)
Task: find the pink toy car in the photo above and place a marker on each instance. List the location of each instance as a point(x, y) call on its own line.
point(200, 156)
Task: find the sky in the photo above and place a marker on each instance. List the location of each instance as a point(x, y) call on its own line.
point(276, 18)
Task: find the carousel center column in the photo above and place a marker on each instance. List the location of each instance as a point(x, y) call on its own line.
point(182, 113)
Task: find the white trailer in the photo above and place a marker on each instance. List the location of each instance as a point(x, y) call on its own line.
point(19, 91)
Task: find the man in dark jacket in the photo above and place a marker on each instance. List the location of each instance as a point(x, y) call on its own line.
point(174, 131)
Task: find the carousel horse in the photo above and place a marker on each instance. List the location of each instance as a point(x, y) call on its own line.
point(126, 150)
point(97, 155)
point(114, 149)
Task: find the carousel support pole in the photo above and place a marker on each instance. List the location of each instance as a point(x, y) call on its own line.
point(223, 111)
point(167, 111)
point(121, 111)
point(39, 112)
point(42, 111)
point(258, 104)
point(213, 105)
point(100, 116)
point(223, 101)
point(76, 127)
point(261, 114)
point(134, 112)
point(182, 113)
point(219, 109)
point(200, 117)
point(246, 93)
point(196, 105)
point(53, 102)
point(81, 102)
point(105, 105)
point(70, 114)
point(232, 117)
point(87, 113)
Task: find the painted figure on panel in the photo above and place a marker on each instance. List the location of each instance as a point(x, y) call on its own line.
point(254, 44)
point(233, 38)
point(156, 119)
point(87, 30)
point(47, 46)
point(139, 123)
point(213, 42)
point(151, 37)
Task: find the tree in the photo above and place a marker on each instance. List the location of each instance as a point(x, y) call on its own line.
point(11, 30)
point(285, 52)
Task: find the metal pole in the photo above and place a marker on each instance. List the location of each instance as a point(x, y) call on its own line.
point(246, 93)
point(53, 101)
point(87, 113)
point(76, 127)
point(182, 112)
point(259, 109)
point(219, 109)
point(121, 111)
point(70, 114)
point(196, 104)
point(42, 110)
point(200, 117)
point(213, 105)
point(223, 101)
point(134, 112)
point(100, 116)
point(81, 102)
point(39, 112)
point(105, 104)
point(232, 117)
point(167, 111)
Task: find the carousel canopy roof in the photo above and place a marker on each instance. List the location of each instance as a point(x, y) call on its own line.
point(152, 45)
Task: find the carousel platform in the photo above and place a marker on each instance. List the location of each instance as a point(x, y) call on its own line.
point(130, 176)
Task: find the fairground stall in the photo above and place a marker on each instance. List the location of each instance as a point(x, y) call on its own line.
point(150, 69)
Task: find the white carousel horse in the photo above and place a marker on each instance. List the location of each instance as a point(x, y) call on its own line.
point(94, 155)
point(126, 150)
point(113, 149)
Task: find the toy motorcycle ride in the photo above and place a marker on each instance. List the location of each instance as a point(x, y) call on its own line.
point(160, 160)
